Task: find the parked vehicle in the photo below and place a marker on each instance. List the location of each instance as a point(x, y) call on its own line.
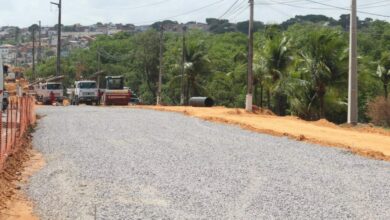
point(115, 92)
point(44, 91)
point(134, 98)
point(5, 100)
point(84, 92)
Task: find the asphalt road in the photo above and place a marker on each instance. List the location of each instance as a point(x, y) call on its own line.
point(115, 163)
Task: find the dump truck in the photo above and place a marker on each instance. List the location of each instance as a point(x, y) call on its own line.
point(115, 93)
point(85, 91)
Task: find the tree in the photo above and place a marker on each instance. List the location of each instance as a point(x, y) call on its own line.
point(243, 27)
point(383, 72)
point(147, 61)
point(219, 26)
point(196, 67)
point(33, 28)
point(274, 61)
point(320, 61)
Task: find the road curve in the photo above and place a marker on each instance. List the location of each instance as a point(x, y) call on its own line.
point(115, 163)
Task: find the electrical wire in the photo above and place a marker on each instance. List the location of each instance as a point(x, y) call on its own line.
point(229, 9)
point(185, 13)
point(341, 8)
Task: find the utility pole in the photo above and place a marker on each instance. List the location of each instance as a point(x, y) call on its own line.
point(59, 4)
point(353, 77)
point(183, 60)
point(249, 96)
point(161, 64)
point(99, 62)
point(33, 50)
point(40, 42)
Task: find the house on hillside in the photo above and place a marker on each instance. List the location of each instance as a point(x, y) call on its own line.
point(8, 53)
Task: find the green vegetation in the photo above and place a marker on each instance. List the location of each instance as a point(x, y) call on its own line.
point(301, 66)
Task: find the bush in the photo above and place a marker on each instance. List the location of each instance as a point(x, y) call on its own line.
point(379, 111)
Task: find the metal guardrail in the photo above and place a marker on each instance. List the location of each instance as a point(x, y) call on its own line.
point(15, 121)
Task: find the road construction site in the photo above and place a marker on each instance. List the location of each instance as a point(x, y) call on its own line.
point(121, 163)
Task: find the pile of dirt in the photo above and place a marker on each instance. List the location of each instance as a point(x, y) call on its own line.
point(372, 129)
point(262, 111)
point(13, 204)
point(326, 123)
point(12, 173)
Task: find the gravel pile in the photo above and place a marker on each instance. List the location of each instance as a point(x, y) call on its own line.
point(115, 163)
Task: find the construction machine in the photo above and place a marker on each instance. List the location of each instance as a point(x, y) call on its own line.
point(115, 92)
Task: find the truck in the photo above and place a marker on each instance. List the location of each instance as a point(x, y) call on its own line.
point(115, 93)
point(85, 91)
point(44, 90)
point(2, 104)
point(5, 100)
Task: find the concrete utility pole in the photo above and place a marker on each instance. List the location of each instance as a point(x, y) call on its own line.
point(59, 4)
point(40, 42)
point(249, 96)
point(161, 64)
point(353, 76)
point(183, 60)
point(33, 51)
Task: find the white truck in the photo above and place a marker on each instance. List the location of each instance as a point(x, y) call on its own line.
point(85, 91)
point(2, 104)
point(45, 91)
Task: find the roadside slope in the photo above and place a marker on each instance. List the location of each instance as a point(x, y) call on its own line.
point(371, 143)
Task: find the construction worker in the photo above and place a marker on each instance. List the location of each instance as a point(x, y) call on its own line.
point(52, 98)
point(99, 97)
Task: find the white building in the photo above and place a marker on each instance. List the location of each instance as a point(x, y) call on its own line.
point(8, 53)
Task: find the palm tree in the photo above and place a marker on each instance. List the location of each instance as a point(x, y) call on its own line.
point(195, 67)
point(320, 62)
point(272, 70)
point(383, 72)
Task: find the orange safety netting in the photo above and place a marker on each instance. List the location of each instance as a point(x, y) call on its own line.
point(15, 121)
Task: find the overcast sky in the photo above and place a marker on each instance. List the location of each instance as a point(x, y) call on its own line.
point(25, 12)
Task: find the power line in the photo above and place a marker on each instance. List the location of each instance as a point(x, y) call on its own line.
point(185, 13)
point(239, 12)
point(375, 6)
point(293, 6)
point(140, 6)
point(341, 8)
point(230, 8)
point(373, 3)
point(328, 6)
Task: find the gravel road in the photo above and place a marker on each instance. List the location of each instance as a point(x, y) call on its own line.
point(115, 163)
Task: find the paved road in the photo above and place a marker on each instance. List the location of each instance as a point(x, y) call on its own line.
point(116, 163)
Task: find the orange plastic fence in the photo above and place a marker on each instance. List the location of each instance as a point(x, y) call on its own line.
point(15, 121)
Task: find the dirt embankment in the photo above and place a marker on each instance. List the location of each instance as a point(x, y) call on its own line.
point(19, 167)
point(364, 140)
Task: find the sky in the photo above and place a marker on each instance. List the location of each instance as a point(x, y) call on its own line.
point(23, 13)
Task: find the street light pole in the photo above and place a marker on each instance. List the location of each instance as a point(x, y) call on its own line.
point(353, 77)
point(59, 4)
point(249, 96)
